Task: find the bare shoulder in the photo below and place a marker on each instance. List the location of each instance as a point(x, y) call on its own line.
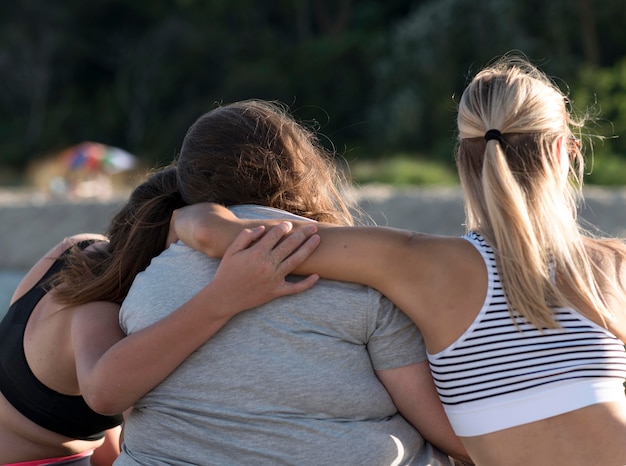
point(54, 253)
point(452, 253)
point(455, 271)
point(442, 286)
point(43, 264)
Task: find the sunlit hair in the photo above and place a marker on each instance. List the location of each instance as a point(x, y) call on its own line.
point(137, 233)
point(254, 152)
point(514, 190)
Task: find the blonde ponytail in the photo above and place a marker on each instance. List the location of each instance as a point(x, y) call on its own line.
point(515, 195)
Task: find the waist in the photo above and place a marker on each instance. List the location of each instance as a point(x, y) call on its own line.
point(21, 438)
point(510, 410)
point(285, 440)
point(76, 460)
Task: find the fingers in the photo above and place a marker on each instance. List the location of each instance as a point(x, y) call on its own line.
point(299, 286)
point(299, 255)
point(289, 250)
point(284, 242)
point(275, 235)
point(271, 239)
point(263, 260)
point(245, 239)
point(280, 251)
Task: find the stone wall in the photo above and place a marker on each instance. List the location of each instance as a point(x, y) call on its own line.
point(31, 224)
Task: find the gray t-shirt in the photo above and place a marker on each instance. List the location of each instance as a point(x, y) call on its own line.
point(290, 382)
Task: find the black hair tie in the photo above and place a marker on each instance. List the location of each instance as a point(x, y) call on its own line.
point(493, 134)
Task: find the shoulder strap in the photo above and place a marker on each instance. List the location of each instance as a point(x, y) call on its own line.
point(59, 263)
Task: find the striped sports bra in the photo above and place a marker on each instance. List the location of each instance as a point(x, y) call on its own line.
point(497, 375)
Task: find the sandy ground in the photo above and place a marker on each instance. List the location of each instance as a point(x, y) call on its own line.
point(30, 223)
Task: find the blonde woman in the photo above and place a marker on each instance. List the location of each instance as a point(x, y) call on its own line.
point(524, 317)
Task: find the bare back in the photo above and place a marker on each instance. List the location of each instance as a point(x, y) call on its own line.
point(50, 356)
point(590, 435)
point(442, 283)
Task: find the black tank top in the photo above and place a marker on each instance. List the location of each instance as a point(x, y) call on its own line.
point(64, 414)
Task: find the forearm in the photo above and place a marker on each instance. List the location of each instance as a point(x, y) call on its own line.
point(207, 227)
point(115, 371)
point(356, 254)
point(414, 394)
point(108, 452)
point(139, 362)
point(366, 255)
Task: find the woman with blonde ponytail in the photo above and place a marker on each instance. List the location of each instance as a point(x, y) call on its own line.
point(524, 317)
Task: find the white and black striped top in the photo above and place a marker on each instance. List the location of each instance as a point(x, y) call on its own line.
point(497, 375)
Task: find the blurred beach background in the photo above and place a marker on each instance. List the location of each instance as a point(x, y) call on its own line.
point(30, 223)
point(95, 93)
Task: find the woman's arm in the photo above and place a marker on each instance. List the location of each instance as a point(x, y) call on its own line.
point(383, 258)
point(414, 394)
point(115, 370)
point(108, 452)
point(41, 267)
point(398, 263)
point(433, 279)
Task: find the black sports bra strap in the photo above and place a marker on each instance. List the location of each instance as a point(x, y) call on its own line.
point(64, 414)
point(60, 262)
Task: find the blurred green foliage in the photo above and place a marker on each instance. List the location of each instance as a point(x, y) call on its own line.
point(373, 77)
point(403, 170)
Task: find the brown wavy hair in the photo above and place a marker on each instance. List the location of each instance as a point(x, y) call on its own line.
point(137, 233)
point(255, 152)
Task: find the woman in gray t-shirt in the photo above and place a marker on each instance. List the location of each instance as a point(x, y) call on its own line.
point(334, 375)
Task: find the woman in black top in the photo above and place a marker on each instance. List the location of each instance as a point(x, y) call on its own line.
point(61, 334)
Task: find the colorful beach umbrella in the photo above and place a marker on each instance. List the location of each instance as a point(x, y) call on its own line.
point(94, 156)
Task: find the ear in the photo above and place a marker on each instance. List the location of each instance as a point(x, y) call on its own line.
point(561, 149)
point(562, 154)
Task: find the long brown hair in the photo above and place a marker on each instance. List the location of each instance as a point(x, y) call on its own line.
point(137, 233)
point(254, 152)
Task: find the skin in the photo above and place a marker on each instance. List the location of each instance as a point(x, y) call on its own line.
point(82, 350)
point(411, 387)
point(441, 284)
point(443, 296)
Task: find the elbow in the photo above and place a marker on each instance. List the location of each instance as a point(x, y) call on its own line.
point(105, 401)
point(456, 450)
point(204, 241)
point(463, 458)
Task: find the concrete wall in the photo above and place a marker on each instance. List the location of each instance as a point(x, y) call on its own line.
point(31, 224)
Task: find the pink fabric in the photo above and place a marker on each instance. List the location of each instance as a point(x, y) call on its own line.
point(51, 460)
